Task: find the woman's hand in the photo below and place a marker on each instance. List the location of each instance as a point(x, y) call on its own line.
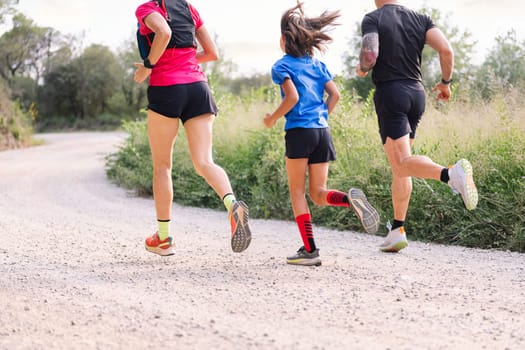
point(141, 73)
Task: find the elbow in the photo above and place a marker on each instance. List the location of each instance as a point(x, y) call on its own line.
point(335, 96)
point(367, 60)
point(214, 55)
point(164, 35)
point(447, 53)
point(294, 98)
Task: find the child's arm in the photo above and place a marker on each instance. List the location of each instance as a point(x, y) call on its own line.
point(289, 100)
point(333, 95)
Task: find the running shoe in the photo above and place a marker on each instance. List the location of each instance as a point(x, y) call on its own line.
point(394, 241)
point(155, 245)
point(366, 212)
point(461, 181)
point(241, 234)
point(304, 258)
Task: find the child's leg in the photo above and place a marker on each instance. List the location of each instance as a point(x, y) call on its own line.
point(296, 170)
point(318, 176)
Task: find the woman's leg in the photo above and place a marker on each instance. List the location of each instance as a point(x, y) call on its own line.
point(199, 131)
point(162, 133)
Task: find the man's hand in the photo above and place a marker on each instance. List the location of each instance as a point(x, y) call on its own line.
point(359, 72)
point(443, 91)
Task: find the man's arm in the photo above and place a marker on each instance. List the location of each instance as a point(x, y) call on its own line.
point(368, 54)
point(437, 40)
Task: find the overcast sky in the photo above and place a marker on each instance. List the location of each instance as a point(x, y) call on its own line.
point(248, 31)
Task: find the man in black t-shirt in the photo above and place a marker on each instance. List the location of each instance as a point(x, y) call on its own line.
point(392, 45)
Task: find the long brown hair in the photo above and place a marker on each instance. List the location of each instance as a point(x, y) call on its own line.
point(303, 35)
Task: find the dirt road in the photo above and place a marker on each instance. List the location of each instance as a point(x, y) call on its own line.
point(74, 274)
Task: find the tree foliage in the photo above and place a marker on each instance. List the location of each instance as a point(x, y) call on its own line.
point(82, 87)
point(504, 66)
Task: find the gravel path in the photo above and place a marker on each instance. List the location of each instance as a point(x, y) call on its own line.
point(74, 274)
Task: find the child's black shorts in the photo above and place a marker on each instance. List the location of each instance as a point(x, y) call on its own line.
point(314, 144)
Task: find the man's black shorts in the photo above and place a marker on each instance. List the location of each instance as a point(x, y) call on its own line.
point(183, 101)
point(314, 144)
point(400, 104)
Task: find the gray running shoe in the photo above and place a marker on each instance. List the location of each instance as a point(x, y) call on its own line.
point(302, 257)
point(241, 234)
point(394, 241)
point(462, 182)
point(366, 212)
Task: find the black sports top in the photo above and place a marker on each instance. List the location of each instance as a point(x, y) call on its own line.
point(402, 35)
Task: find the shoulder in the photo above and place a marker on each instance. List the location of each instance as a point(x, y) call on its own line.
point(282, 69)
point(322, 68)
point(370, 21)
point(196, 16)
point(145, 9)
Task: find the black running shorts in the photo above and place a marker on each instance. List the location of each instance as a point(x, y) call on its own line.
point(314, 144)
point(183, 101)
point(400, 104)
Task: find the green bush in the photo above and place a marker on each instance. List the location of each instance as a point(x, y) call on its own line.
point(15, 124)
point(489, 134)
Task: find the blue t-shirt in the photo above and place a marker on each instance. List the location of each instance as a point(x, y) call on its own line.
point(309, 76)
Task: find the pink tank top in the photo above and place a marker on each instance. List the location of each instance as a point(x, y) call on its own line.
point(175, 66)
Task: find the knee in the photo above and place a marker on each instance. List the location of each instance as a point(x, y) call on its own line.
point(399, 168)
point(202, 167)
point(317, 197)
point(161, 168)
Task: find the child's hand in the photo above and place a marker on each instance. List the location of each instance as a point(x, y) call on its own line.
point(268, 120)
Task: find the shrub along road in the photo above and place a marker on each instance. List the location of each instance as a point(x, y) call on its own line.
point(74, 274)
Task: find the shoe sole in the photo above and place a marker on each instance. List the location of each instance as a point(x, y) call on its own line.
point(242, 236)
point(304, 262)
point(469, 192)
point(160, 251)
point(367, 214)
point(395, 247)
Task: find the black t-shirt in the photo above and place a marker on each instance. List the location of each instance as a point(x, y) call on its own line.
point(402, 35)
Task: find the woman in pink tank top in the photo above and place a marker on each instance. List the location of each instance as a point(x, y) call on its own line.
point(178, 90)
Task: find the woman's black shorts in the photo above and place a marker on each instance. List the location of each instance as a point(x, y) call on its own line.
point(400, 104)
point(183, 101)
point(314, 144)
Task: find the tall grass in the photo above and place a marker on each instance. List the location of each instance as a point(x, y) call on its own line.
point(489, 134)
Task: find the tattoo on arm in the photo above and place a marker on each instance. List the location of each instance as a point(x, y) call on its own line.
point(369, 51)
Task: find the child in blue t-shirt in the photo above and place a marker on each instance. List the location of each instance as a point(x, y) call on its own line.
point(309, 149)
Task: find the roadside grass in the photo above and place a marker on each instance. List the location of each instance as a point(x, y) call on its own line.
point(489, 134)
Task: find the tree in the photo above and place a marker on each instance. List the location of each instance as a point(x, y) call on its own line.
point(82, 87)
point(133, 94)
point(27, 50)
point(504, 66)
point(6, 8)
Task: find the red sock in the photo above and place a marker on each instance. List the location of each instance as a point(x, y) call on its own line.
point(304, 223)
point(337, 199)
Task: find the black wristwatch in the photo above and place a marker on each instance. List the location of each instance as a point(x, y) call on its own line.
point(445, 82)
point(147, 63)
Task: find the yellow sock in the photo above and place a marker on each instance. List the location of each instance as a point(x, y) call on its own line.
point(164, 229)
point(228, 201)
